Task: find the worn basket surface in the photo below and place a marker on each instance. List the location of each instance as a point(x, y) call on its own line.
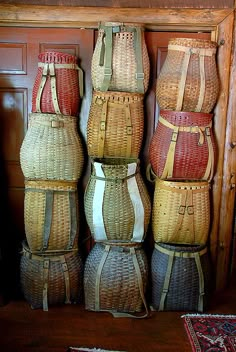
point(51, 279)
point(183, 146)
point(120, 60)
point(117, 203)
point(181, 277)
point(57, 84)
point(188, 80)
point(52, 148)
point(115, 125)
point(181, 212)
point(51, 215)
point(112, 281)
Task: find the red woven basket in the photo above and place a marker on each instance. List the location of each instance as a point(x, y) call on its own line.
point(183, 146)
point(58, 84)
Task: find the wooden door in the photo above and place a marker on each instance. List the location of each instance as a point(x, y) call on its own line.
point(19, 49)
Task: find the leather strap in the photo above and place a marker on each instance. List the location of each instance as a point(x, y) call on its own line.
point(201, 282)
point(129, 130)
point(139, 60)
point(98, 277)
point(46, 264)
point(73, 219)
point(102, 130)
point(67, 279)
point(166, 284)
point(180, 254)
point(47, 218)
point(107, 58)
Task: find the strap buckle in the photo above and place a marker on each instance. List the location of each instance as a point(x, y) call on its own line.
point(57, 124)
point(107, 71)
point(190, 210)
point(174, 136)
point(139, 75)
point(182, 209)
point(129, 130)
point(208, 131)
point(102, 126)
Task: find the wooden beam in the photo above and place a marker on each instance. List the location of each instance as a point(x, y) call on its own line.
point(88, 17)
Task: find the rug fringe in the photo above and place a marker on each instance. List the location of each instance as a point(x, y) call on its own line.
point(197, 315)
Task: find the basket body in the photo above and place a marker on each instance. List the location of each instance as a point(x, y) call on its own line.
point(51, 215)
point(51, 280)
point(181, 212)
point(183, 146)
point(115, 286)
point(56, 88)
point(188, 80)
point(181, 277)
point(52, 148)
point(120, 60)
point(117, 204)
point(115, 125)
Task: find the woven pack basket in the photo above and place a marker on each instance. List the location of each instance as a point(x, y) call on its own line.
point(51, 215)
point(188, 80)
point(52, 148)
point(183, 146)
point(181, 277)
point(181, 212)
point(117, 203)
point(120, 60)
point(115, 279)
point(115, 125)
point(58, 84)
point(51, 279)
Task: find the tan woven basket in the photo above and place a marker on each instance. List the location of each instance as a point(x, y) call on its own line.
point(115, 125)
point(117, 203)
point(188, 80)
point(58, 84)
point(52, 148)
point(120, 60)
point(51, 215)
point(181, 212)
point(115, 278)
point(51, 279)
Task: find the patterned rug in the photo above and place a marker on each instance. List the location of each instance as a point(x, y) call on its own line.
point(85, 349)
point(211, 332)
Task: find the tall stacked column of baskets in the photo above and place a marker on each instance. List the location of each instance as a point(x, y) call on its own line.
point(51, 158)
point(182, 156)
point(117, 203)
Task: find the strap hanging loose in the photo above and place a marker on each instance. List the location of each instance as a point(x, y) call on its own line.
point(98, 277)
point(46, 264)
point(108, 59)
point(67, 279)
point(202, 84)
point(139, 60)
point(41, 87)
point(210, 163)
point(184, 70)
point(201, 281)
point(166, 284)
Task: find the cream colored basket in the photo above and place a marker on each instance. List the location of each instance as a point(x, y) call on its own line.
point(51, 215)
point(52, 148)
point(181, 212)
point(120, 60)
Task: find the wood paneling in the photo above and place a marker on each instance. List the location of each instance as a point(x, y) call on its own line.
point(13, 58)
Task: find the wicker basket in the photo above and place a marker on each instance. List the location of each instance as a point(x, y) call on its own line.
point(51, 215)
point(117, 204)
point(183, 146)
point(181, 212)
point(51, 279)
point(181, 277)
point(52, 148)
point(58, 84)
point(120, 60)
point(115, 125)
point(115, 278)
point(188, 80)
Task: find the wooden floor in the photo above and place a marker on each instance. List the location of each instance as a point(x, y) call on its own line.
point(23, 329)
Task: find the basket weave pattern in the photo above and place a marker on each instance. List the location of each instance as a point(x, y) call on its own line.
point(184, 291)
point(51, 210)
point(124, 65)
point(52, 148)
point(181, 212)
point(168, 82)
point(115, 125)
point(60, 274)
point(118, 287)
point(67, 85)
point(194, 144)
point(118, 210)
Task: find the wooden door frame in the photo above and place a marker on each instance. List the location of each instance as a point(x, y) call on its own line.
point(221, 24)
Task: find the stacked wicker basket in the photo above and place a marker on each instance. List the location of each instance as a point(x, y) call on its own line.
point(117, 204)
point(51, 159)
point(182, 157)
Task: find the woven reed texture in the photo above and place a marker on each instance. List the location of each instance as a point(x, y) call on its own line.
point(123, 61)
point(183, 291)
point(119, 204)
point(52, 148)
point(67, 85)
point(118, 288)
point(51, 215)
point(190, 156)
point(168, 81)
point(115, 125)
point(181, 212)
point(33, 278)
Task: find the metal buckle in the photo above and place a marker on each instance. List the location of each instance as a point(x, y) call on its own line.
point(107, 71)
point(57, 124)
point(208, 131)
point(174, 136)
point(102, 126)
point(129, 130)
point(190, 210)
point(139, 75)
point(182, 209)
